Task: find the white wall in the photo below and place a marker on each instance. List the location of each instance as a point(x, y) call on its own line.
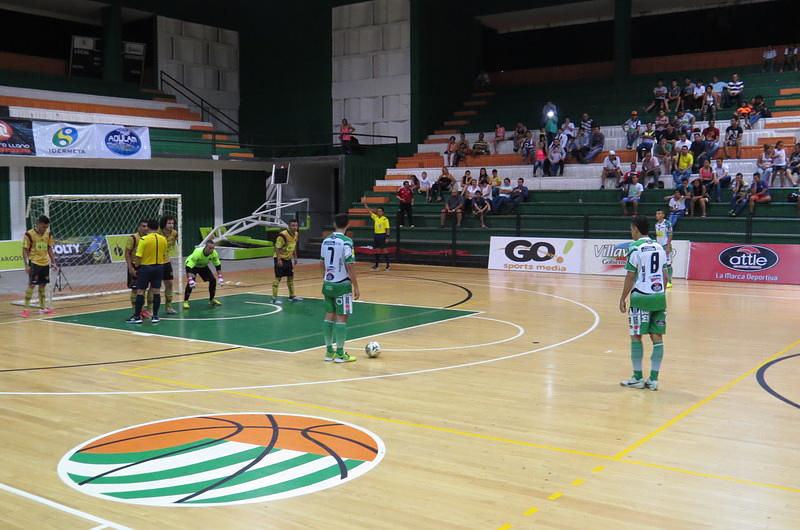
point(372, 68)
point(204, 58)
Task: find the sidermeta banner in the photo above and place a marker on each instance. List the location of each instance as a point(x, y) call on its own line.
point(66, 140)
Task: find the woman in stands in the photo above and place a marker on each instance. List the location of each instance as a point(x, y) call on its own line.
point(710, 104)
point(699, 195)
point(346, 136)
point(764, 164)
point(450, 150)
point(499, 137)
point(469, 192)
point(779, 166)
point(442, 185)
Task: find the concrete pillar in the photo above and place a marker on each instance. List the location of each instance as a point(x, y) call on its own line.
point(112, 43)
point(218, 198)
point(16, 197)
point(622, 39)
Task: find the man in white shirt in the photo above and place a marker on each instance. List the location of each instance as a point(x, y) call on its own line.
point(682, 142)
point(677, 207)
point(769, 58)
point(789, 59)
point(632, 128)
point(722, 174)
point(425, 185)
point(733, 96)
point(611, 169)
point(633, 196)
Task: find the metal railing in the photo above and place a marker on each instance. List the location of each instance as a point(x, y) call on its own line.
point(207, 109)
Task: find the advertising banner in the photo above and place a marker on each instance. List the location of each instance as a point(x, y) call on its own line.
point(65, 140)
point(11, 255)
point(16, 138)
point(555, 255)
point(731, 262)
point(608, 257)
point(85, 250)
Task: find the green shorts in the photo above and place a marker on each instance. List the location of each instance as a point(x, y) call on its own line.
point(338, 297)
point(643, 322)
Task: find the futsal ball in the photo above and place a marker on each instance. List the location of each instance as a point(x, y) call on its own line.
point(373, 349)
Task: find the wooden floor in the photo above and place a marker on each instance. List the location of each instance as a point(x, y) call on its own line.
point(507, 418)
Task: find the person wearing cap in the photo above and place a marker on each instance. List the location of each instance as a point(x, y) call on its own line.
point(632, 127)
point(611, 169)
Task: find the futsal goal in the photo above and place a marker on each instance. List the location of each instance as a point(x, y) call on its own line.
point(90, 233)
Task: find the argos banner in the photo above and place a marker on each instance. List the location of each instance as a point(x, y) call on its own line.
point(527, 254)
point(65, 140)
point(730, 262)
point(608, 256)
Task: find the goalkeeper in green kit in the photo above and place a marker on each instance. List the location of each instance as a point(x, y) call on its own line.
point(197, 265)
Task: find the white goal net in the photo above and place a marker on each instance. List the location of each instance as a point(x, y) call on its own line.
point(90, 233)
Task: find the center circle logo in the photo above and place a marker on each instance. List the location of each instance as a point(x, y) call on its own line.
point(65, 136)
point(221, 459)
point(123, 142)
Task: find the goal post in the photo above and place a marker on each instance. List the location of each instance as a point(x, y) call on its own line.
point(90, 233)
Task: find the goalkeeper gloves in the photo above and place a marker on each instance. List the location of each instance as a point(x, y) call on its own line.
point(191, 282)
point(220, 280)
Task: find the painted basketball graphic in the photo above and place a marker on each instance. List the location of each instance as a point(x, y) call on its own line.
point(221, 459)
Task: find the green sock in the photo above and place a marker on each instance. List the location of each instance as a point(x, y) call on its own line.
point(340, 332)
point(133, 299)
point(275, 283)
point(637, 352)
point(327, 332)
point(41, 296)
point(28, 296)
point(655, 360)
point(290, 283)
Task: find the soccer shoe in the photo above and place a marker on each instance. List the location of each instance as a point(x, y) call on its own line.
point(329, 356)
point(25, 313)
point(387, 268)
point(214, 302)
point(633, 383)
point(652, 385)
point(374, 267)
point(277, 301)
point(46, 311)
point(669, 285)
point(295, 298)
point(134, 320)
point(146, 313)
point(344, 358)
point(155, 319)
point(170, 310)
point(186, 305)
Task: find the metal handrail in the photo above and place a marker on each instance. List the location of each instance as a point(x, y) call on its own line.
point(206, 107)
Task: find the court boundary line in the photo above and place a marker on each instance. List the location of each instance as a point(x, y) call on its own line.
point(104, 523)
point(520, 332)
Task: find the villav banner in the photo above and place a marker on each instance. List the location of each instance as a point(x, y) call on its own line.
point(608, 256)
point(65, 140)
point(16, 138)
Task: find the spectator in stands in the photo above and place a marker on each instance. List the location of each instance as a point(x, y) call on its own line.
point(555, 158)
point(709, 180)
point(443, 185)
point(663, 152)
point(481, 207)
point(495, 181)
point(740, 192)
point(660, 94)
point(718, 87)
point(699, 195)
point(462, 150)
point(346, 136)
point(759, 110)
point(596, 144)
point(743, 113)
point(611, 169)
point(687, 94)
point(487, 190)
point(632, 195)
point(632, 128)
point(698, 150)
point(579, 146)
point(733, 139)
point(499, 137)
point(711, 138)
point(405, 195)
point(550, 129)
point(684, 122)
point(794, 161)
point(710, 104)
point(759, 193)
point(483, 175)
point(769, 56)
point(465, 179)
point(722, 174)
point(670, 134)
point(450, 150)
point(503, 198)
point(520, 132)
point(651, 169)
point(733, 98)
point(789, 60)
point(682, 163)
point(568, 128)
point(482, 81)
point(528, 149)
point(587, 123)
point(684, 187)
point(519, 194)
point(647, 141)
point(481, 146)
point(453, 207)
point(674, 95)
point(683, 141)
point(468, 192)
point(627, 177)
point(661, 122)
point(677, 207)
point(414, 183)
point(764, 163)
point(541, 158)
point(425, 186)
point(549, 111)
point(779, 166)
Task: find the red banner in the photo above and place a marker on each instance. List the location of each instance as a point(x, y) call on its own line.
point(732, 262)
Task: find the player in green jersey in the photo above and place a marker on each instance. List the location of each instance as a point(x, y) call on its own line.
point(664, 238)
point(645, 282)
point(339, 288)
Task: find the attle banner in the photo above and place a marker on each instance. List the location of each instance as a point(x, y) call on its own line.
point(65, 140)
point(730, 262)
point(16, 138)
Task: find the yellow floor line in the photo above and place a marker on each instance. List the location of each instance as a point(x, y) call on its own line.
point(187, 358)
point(577, 482)
point(530, 511)
point(708, 399)
point(504, 527)
point(555, 495)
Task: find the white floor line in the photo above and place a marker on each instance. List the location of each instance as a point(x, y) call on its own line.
point(520, 332)
point(66, 509)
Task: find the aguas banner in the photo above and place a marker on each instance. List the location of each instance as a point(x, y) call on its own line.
point(16, 138)
point(731, 262)
point(65, 140)
point(524, 254)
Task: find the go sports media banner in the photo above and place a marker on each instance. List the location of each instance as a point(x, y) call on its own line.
point(16, 138)
point(555, 255)
point(731, 262)
point(65, 140)
point(608, 257)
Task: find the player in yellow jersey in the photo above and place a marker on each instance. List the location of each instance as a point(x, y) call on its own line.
point(285, 260)
point(151, 255)
point(130, 255)
point(168, 229)
point(37, 253)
